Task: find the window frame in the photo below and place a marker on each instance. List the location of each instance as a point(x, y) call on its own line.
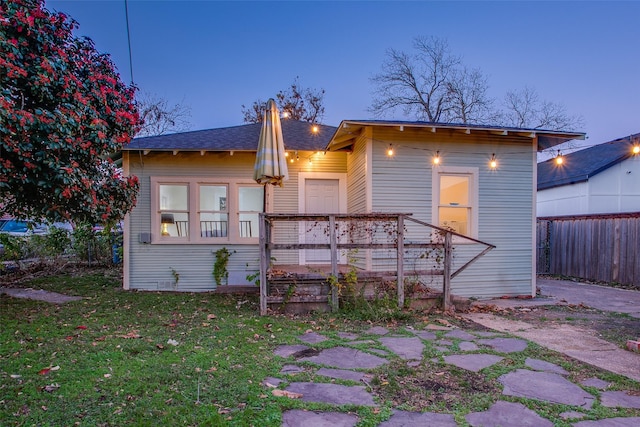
point(472, 173)
point(194, 234)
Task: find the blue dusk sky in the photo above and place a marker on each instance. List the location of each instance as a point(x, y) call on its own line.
point(215, 56)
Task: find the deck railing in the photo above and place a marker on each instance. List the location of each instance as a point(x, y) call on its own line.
point(374, 232)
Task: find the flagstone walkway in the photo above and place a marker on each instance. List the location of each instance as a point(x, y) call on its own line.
point(351, 363)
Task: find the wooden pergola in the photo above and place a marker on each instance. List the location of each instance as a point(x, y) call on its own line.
point(445, 243)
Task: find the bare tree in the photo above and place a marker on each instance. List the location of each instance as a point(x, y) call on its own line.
point(298, 102)
point(159, 117)
point(468, 96)
point(523, 108)
point(433, 84)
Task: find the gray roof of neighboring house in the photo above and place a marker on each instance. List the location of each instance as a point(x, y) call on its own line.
point(297, 136)
point(579, 166)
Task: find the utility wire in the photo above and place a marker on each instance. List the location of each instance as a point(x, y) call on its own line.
point(126, 14)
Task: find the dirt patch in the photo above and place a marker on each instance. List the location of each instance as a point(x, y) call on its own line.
point(423, 387)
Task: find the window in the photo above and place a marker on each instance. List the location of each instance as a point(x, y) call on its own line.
point(197, 211)
point(214, 216)
point(455, 195)
point(174, 210)
point(250, 203)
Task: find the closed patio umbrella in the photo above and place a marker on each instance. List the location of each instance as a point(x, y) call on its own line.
point(271, 163)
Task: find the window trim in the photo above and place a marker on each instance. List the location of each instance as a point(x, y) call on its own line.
point(473, 174)
point(193, 184)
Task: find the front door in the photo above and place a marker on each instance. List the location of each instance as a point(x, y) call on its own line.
point(322, 196)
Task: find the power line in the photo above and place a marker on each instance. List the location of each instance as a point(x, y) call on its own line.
point(126, 14)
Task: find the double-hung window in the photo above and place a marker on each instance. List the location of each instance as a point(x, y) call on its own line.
point(213, 210)
point(174, 210)
point(196, 210)
point(455, 199)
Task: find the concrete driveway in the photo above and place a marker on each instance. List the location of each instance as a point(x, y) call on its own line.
point(572, 340)
point(569, 292)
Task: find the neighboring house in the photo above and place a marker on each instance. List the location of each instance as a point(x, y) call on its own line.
point(602, 179)
point(197, 195)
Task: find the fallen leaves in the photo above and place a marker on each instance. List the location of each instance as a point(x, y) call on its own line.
point(284, 393)
point(130, 335)
point(50, 388)
point(48, 369)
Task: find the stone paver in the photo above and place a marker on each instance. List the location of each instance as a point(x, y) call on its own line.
point(467, 346)
point(444, 342)
point(377, 330)
point(335, 394)
point(408, 348)
point(404, 418)
point(459, 334)
point(425, 335)
point(595, 382)
point(611, 422)
point(545, 386)
point(288, 350)
point(362, 342)
point(504, 345)
point(572, 415)
point(503, 413)
point(38, 294)
point(619, 399)
point(342, 374)
point(472, 362)
point(312, 337)
point(541, 365)
point(291, 369)
point(272, 382)
point(347, 335)
point(346, 358)
point(298, 417)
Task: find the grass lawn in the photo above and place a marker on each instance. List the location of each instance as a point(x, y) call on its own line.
point(119, 358)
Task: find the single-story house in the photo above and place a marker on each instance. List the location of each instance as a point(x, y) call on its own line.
point(197, 195)
point(602, 179)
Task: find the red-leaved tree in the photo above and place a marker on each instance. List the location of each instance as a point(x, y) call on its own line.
point(63, 112)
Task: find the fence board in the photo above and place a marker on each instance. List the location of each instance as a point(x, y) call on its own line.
point(603, 248)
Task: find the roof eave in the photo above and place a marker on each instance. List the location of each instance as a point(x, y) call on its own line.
point(349, 130)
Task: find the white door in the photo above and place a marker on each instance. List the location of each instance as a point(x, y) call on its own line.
point(322, 196)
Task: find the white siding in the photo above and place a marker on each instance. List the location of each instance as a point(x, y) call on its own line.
point(614, 190)
point(403, 183)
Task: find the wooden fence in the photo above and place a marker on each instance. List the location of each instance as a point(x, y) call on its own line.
point(602, 248)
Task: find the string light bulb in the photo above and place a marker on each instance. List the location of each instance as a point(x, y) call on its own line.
point(636, 149)
point(559, 158)
point(493, 163)
point(390, 150)
point(436, 159)
point(315, 129)
point(285, 114)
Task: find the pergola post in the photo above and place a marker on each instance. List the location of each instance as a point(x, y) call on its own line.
point(264, 262)
point(446, 281)
point(333, 241)
point(400, 259)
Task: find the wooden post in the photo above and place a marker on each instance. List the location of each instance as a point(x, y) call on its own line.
point(264, 263)
point(333, 240)
point(400, 259)
point(446, 281)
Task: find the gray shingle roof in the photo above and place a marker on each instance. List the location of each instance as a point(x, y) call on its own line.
point(297, 136)
point(579, 166)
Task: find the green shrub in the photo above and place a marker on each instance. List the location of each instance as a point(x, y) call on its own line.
point(91, 246)
point(12, 247)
